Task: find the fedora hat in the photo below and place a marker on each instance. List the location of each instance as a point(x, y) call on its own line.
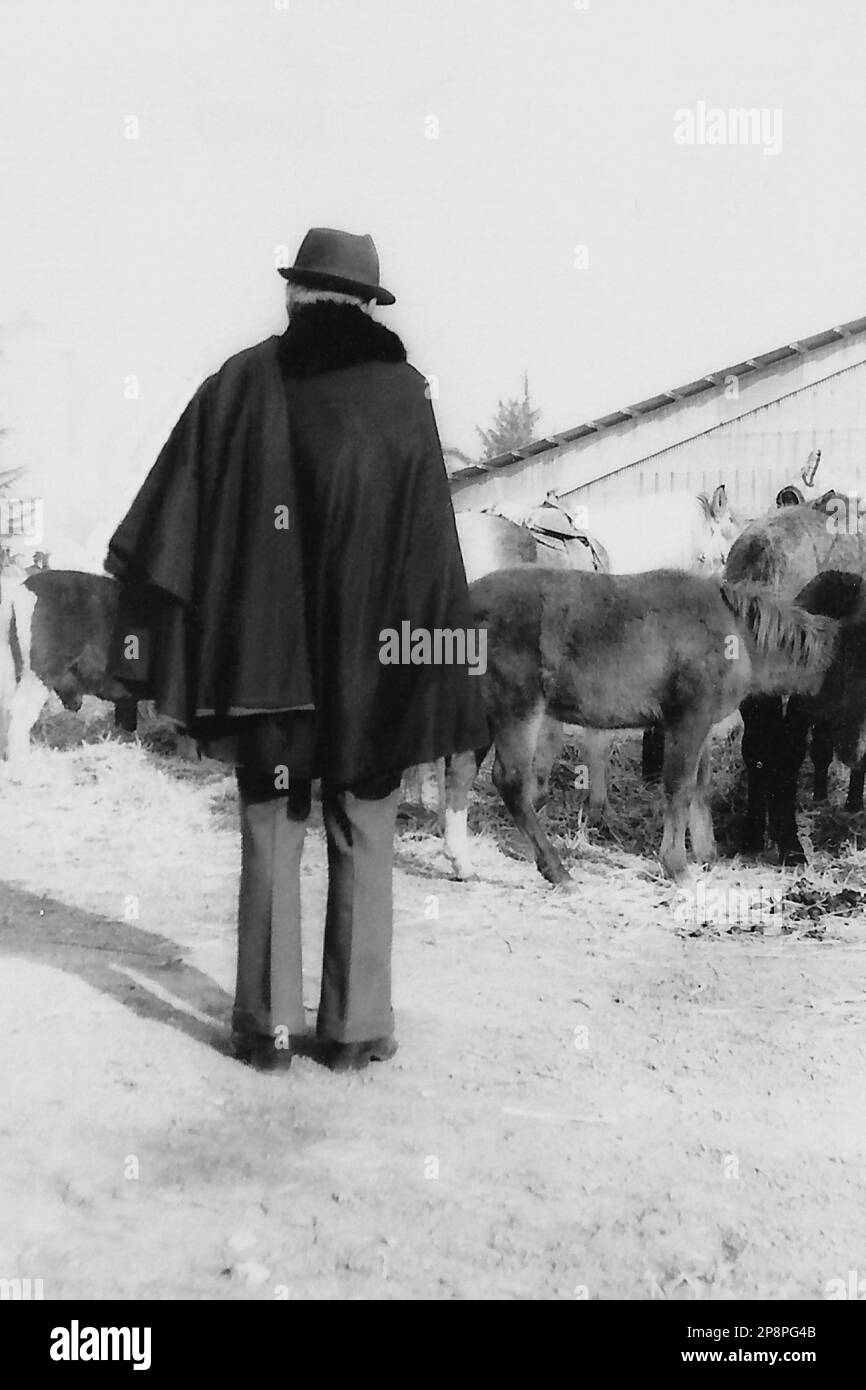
point(332, 260)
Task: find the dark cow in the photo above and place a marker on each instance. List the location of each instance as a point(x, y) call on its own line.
point(56, 632)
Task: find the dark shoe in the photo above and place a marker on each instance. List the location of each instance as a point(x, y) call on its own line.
point(355, 1056)
point(261, 1052)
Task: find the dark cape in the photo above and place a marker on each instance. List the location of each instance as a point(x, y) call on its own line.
point(263, 638)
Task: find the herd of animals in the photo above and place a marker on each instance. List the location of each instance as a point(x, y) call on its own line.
point(668, 615)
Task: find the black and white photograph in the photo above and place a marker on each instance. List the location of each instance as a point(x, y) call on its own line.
point(433, 663)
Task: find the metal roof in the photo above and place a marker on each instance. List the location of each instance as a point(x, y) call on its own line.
point(749, 366)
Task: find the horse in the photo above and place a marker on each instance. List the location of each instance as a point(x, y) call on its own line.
point(783, 552)
point(622, 652)
point(662, 530)
point(694, 532)
point(547, 537)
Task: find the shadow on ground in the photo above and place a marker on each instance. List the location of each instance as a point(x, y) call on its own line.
point(140, 969)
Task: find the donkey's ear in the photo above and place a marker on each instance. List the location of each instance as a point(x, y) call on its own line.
point(822, 503)
point(719, 504)
point(789, 496)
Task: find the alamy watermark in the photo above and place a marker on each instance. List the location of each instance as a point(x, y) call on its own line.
point(77, 1343)
point(733, 907)
point(853, 1288)
point(438, 646)
point(845, 514)
point(737, 125)
point(21, 1290)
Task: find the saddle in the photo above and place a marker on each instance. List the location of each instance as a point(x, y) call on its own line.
point(553, 529)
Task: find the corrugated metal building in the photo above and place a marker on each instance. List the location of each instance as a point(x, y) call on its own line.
point(751, 426)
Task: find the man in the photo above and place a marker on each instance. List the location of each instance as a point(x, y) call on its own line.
point(299, 509)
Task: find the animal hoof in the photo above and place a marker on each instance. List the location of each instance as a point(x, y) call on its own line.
point(674, 861)
point(683, 878)
point(569, 886)
point(706, 860)
point(463, 871)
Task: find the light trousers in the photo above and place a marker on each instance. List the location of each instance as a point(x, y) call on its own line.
point(355, 999)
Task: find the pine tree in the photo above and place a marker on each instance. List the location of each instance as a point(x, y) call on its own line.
point(513, 425)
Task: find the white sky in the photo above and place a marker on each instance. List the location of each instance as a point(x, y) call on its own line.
point(155, 257)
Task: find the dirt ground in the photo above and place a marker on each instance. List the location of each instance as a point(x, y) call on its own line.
point(593, 1097)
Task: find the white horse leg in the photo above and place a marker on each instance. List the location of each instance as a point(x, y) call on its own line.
point(25, 707)
point(459, 779)
point(457, 841)
point(30, 694)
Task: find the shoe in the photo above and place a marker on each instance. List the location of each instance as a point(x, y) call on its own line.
point(355, 1056)
point(259, 1051)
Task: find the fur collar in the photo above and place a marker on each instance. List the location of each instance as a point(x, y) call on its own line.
point(327, 337)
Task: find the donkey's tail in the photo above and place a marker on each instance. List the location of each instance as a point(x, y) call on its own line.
point(780, 628)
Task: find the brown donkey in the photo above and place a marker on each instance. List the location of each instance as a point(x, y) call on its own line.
point(624, 652)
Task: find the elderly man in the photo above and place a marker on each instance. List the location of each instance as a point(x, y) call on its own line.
point(298, 511)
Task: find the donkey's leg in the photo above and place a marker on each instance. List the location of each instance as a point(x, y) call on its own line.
point(653, 753)
point(551, 737)
point(854, 800)
point(514, 778)
point(596, 748)
point(412, 784)
point(821, 753)
point(762, 735)
point(782, 786)
point(684, 745)
point(700, 817)
point(431, 785)
point(460, 770)
point(441, 793)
